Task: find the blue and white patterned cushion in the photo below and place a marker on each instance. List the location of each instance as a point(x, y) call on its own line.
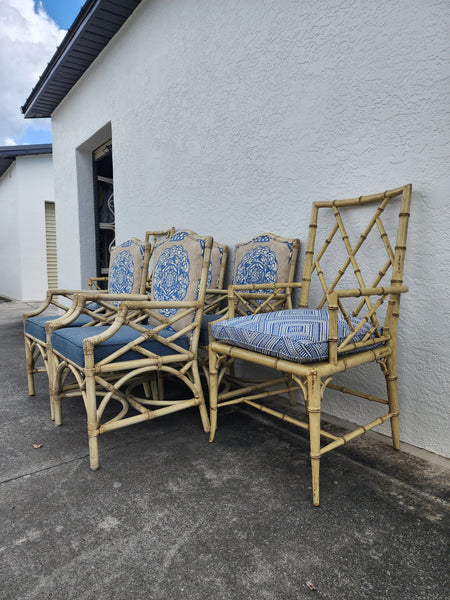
point(258, 265)
point(171, 276)
point(264, 259)
point(299, 335)
point(125, 268)
point(177, 272)
point(217, 254)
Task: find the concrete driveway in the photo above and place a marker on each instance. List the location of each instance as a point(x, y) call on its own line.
point(169, 516)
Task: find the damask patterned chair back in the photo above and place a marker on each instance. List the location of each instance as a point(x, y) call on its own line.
point(176, 273)
point(219, 254)
point(266, 258)
point(126, 265)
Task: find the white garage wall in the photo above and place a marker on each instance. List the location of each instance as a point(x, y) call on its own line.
point(231, 117)
point(35, 187)
point(10, 276)
point(24, 189)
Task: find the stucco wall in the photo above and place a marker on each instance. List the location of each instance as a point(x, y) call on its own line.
point(24, 189)
point(231, 117)
point(9, 240)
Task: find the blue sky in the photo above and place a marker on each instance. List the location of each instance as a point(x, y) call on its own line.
point(30, 31)
point(63, 12)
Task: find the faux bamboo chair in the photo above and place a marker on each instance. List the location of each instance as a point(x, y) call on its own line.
point(156, 334)
point(351, 326)
point(128, 268)
point(267, 258)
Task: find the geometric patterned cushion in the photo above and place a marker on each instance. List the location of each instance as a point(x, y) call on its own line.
point(177, 272)
point(69, 342)
point(299, 335)
point(35, 326)
point(125, 268)
point(264, 259)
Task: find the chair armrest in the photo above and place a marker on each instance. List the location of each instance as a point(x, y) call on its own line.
point(334, 304)
point(80, 303)
point(50, 299)
point(143, 307)
point(94, 281)
point(376, 291)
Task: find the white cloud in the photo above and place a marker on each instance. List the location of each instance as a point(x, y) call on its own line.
point(28, 40)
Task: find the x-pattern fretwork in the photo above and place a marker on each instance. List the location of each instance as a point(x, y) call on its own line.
point(351, 260)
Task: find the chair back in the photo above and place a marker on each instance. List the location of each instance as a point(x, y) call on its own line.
point(126, 267)
point(178, 276)
point(152, 239)
point(267, 258)
point(350, 254)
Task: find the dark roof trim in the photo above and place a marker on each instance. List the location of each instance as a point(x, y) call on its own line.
point(8, 154)
point(96, 24)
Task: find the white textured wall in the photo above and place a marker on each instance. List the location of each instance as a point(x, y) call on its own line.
point(231, 117)
point(24, 189)
point(35, 187)
point(10, 279)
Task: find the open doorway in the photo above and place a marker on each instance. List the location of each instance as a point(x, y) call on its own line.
point(104, 206)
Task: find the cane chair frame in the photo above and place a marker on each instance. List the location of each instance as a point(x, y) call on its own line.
point(113, 379)
point(378, 345)
point(36, 349)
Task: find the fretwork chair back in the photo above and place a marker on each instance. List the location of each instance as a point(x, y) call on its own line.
point(128, 272)
point(354, 322)
point(158, 333)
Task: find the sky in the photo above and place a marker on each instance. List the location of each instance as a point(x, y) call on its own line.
point(30, 31)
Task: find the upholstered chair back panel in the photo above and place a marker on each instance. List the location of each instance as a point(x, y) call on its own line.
point(125, 267)
point(177, 272)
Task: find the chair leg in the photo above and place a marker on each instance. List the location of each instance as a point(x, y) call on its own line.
point(54, 390)
point(155, 388)
point(160, 385)
point(292, 400)
point(313, 403)
point(151, 387)
point(91, 410)
point(392, 393)
point(202, 405)
point(213, 391)
point(30, 366)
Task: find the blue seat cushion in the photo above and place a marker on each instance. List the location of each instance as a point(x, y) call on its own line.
point(35, 326)
point(299, 335)
point(69, 342)
point(206, 320)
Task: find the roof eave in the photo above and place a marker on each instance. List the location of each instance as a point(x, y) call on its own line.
point(58, 77)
